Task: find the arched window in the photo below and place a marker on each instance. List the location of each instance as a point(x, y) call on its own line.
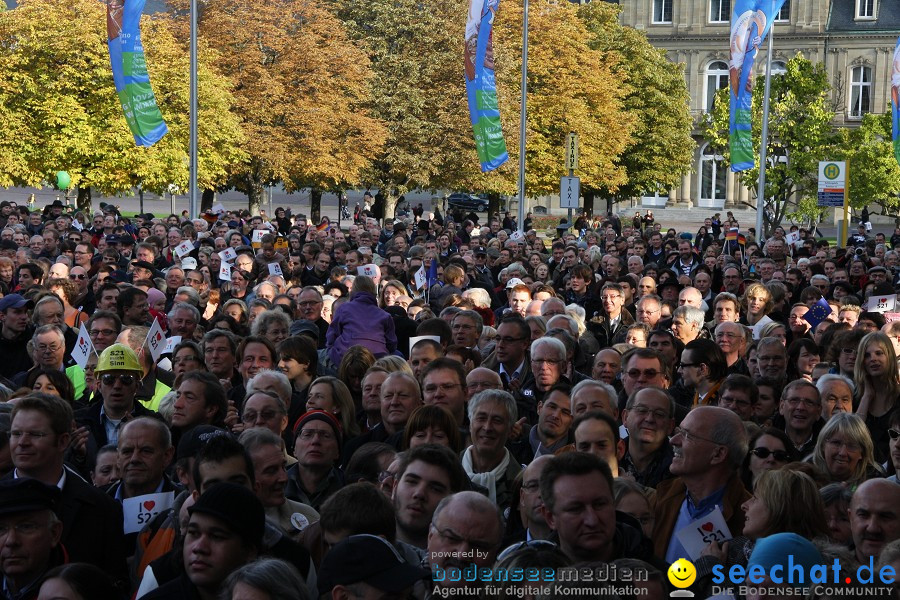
point(716, 79)
point(779, 67)
point(713, 171)
point(860, 92)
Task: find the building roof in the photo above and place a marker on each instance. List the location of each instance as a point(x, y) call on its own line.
point(842, 13)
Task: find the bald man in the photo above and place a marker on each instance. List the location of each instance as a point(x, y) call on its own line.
point(480, 379)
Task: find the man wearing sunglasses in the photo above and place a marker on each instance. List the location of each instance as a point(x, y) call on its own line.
point(119, 373)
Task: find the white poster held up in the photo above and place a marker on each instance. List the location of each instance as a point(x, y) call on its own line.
point(225, 272)
point(882, 304)
point(228, 255)
point(156, 339)
point(275, 269)
point(184, 248)
point(83, 347)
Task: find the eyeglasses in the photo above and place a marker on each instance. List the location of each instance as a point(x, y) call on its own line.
point(803, 401)
point(643, 411)
point(309, 303)
point(610, 298)
point(849, 351)
point(692, 437)
point(894, 434)
point(103, 332)
point(763, 453)
point(51, 348)
point(838, 444)
point(451, 537)
point(266, 415)
point(110, 379)
point(545, 361)
point(80, 276)
point(647, 373)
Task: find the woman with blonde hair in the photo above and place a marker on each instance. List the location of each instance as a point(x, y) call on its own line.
point(877, 387)
point(757, 304)
point(767, 513)
point(844, 450)
point(332, 395)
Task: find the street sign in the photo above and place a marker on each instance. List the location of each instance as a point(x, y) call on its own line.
point(832, 182)
point(569, 192)
point(572, 151)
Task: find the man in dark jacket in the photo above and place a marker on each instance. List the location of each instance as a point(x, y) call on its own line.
point(581, 484)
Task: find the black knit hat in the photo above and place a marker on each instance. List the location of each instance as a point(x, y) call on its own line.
point(237, 507)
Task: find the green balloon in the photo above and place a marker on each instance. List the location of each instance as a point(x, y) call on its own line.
point(63, 180)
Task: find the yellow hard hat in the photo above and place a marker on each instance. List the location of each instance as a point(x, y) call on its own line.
point(118, 357)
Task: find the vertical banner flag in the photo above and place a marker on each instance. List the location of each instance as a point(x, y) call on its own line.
point(750, 22)
point(481, 84)
point(83, 348)
point(129, 67)
point(895, 99)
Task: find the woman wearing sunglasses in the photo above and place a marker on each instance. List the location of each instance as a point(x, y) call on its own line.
point(770, 448)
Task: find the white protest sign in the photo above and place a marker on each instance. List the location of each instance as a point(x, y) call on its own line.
point(83, 347)
point(370, 270)
point(882, 304)
point(218, 209)
point(792, 238)
point(698, 535)
point(77, 225)
point(225, 272)
point(258, 236)
point(421, 278)
point(184, 248)
point(275, 269)
point(140, 510)
point(156, 339)
point(171, 343)
point(228, 255)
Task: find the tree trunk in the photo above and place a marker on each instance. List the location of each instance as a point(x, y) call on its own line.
point(315, 205)
point(390, 204)
point(589, 202)
point(206, 201)
point(494, 204)
point(84, 200)
point(254, 197)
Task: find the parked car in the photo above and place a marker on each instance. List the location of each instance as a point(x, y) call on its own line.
point(467, 202)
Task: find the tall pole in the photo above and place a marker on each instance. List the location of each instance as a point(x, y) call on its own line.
point(522, 117)
point(193, 205)
point(761, 191)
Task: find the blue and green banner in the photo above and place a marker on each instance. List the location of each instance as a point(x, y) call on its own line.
point(129, 67)
point(750, 22)
point(481, 85)
point(895, 99)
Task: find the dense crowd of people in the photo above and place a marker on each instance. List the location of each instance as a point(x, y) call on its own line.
point(373, 412)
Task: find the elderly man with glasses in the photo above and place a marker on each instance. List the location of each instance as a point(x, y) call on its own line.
point(708, 449)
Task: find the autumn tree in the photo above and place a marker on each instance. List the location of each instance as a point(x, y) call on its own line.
point(801, 134)
point(419, 92)
point(661, 148)
point(301, 90)
point(59, 109)
point(874, 173)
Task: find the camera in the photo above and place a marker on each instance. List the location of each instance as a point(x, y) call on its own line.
point(859, 251)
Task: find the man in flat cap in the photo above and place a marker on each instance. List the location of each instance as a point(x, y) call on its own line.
point(30, 533)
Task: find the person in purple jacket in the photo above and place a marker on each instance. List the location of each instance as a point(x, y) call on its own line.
point(361, 322)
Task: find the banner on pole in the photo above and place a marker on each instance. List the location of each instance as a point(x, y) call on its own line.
point(895, 100)
point(750, 22)
point(129, 68)
point(481, 85)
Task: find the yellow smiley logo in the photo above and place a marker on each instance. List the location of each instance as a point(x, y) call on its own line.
point(682, 573)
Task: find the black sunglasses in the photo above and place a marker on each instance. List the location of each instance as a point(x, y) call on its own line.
point(763, 453)
point(110, 379)
point(894, 434)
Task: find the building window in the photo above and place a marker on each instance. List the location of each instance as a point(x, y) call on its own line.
point(719, 11)
point(662, 11)
point(784, 13)
point(716, 79)
point(865, 9)
point(712, 177)
point(778, 67)
point(860, 92)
